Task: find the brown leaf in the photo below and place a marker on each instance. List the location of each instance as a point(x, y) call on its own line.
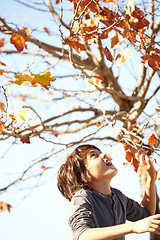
point(108, 54)
point(73, 42)
point(2, 42)
point(138, 20)
point(2, 63)
point(153, 60)
point(130, 155)
point(152, 140)
point(116, 39)
point(4, 207)
point(25, 139)
point(47, 31)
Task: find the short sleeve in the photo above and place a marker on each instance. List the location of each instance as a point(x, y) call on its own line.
point(80, 216)
point(134, 211)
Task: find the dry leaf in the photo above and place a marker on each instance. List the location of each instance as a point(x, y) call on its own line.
point(4, 207)
point(122, 56)
point(108, 54)
point(152, 140)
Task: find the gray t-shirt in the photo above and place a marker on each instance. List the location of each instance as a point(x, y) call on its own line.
point(91, 209)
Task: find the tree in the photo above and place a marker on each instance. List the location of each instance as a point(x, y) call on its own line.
point(108, 89)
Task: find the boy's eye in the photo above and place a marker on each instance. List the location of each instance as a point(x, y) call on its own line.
point(94, 155)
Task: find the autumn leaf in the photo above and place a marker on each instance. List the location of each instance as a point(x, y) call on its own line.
point(1, 127)
point(44, 79)
point(47, 31)
point(85, 6)
point(116, 39)
point(152, 59)
point(157, 109)
point(130, 155)
point(152, 140)
point(108, 54)
point(130, 7)
point(22, 114)
point(19, 41)
point(44, 168)
point(2, 43)
point(25, 139)
point(143, 40)
point(138, 20)
point(2, 63)
point(95, 80)
point(5, 207)
point(2, 107)
point(158, 174)
point(131, 147)
point(22, 78)
point(73, 42)
point(122, 56)
point(108, 16)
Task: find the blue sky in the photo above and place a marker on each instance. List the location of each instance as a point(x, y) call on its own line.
point(43, 214)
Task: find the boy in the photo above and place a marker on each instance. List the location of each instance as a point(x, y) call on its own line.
point(97, 211)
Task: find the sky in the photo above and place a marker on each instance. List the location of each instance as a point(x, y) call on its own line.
point(43, 214)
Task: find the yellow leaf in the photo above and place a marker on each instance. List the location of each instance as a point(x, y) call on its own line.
point(122, 56)
point(44, 79)
point(22, 114)
point(22, 78)
point(130, 7)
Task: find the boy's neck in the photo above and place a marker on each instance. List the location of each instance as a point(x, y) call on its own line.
point(102, 188)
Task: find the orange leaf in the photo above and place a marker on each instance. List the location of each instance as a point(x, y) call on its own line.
point(116, 39)
point(152, 140)
point(95, 80)
point(108, 54)
point(19, 41)
point(135, 164)
point(1, 127)
point(44, 168)
point(4, 207)
point(47, 31)
point(2, 107)
point(129, 156)
point(158, 109)
point(73, 42)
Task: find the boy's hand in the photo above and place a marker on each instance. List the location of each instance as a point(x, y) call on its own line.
point(149, 224)
point(145, 162)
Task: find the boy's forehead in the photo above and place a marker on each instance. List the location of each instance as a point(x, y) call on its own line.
point(94, 150)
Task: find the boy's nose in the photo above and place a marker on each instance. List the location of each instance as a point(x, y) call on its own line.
point(102, 155)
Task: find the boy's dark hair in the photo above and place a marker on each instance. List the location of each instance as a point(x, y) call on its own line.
point(73, 175)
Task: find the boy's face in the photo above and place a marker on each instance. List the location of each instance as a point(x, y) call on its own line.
point(99, 166)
